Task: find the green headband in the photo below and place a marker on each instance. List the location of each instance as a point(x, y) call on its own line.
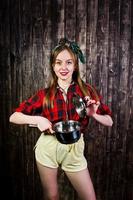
point(74, 47)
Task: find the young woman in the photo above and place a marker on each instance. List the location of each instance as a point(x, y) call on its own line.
point(54, 104)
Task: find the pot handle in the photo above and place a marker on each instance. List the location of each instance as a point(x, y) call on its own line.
point(46, 132)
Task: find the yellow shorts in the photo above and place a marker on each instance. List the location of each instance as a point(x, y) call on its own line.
point(51, 153)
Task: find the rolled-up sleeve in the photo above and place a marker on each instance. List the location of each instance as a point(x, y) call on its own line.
point(104, 110)
point(33, 105)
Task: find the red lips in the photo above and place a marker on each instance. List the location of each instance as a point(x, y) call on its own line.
point(64, 73)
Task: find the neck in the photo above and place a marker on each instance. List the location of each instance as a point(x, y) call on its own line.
point(64, 84)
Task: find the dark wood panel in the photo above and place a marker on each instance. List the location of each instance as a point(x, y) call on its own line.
point(104, 30)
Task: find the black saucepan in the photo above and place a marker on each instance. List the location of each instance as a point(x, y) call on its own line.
point(67, 132)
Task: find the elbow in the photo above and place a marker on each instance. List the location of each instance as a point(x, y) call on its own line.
point(110, 122)
point(12, 118)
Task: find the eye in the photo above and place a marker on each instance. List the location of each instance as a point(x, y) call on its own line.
point(58, 63)
point(69, 62)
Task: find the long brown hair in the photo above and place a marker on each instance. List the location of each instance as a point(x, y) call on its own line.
point(52, 89)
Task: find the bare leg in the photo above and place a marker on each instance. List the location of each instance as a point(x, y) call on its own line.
point(82, 183)
point(48, 178)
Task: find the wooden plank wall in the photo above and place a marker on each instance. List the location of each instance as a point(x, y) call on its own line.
point(104, 30)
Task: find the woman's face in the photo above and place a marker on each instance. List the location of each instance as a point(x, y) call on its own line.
point(64, 66)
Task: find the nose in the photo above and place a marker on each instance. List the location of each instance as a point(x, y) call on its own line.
point(64, 65)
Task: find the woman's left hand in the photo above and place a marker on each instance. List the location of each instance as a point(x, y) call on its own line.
point(91, 110)
point(91, 106)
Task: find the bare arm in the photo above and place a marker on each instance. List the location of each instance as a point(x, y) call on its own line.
point(91, 110)
point(106, 120)
point(41, 122)
point(20, 118)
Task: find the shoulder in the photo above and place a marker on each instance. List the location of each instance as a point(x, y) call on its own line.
point(38, 95)
point(91, 88)
point(42, 92)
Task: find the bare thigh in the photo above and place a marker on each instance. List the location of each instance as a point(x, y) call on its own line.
point(82, 183)
point(48, 178)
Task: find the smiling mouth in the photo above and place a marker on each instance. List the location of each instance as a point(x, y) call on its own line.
point(64, 73)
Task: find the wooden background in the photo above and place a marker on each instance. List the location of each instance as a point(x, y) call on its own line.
point(104, 30)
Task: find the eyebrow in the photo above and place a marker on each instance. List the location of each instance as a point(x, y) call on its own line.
point(66, 60)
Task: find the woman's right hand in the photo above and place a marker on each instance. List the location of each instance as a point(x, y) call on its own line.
point(44, 124)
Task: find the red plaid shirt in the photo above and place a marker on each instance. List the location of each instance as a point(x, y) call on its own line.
point(61, 110)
